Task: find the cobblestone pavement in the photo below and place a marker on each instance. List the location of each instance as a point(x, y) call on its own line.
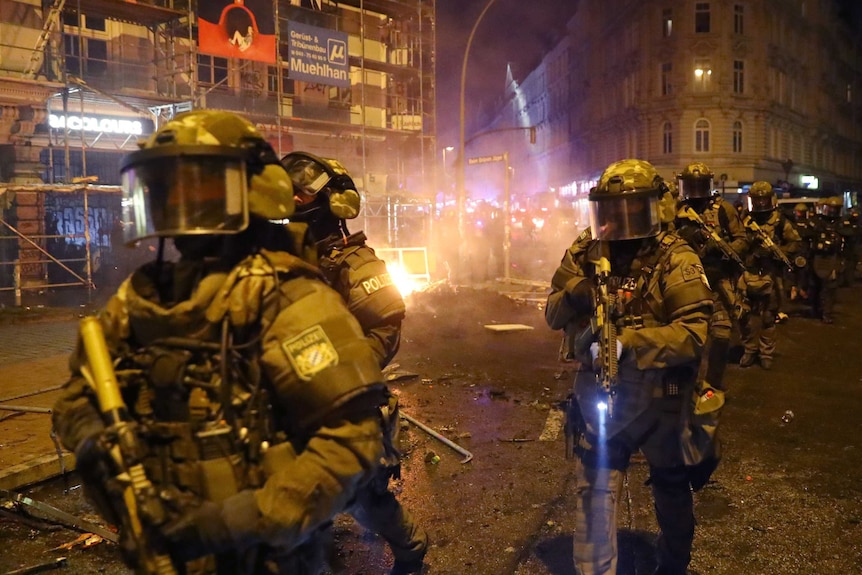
point(33, 361)
point(29, 341)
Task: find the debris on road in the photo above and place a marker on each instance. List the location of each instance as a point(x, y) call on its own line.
point(57, 563)
point(58, 515)
point(508, 327)
point(467, 455)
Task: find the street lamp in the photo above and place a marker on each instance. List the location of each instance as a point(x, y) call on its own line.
point(446, 187)
point(459, 174)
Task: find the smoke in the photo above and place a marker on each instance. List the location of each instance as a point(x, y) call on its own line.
point(512, 32)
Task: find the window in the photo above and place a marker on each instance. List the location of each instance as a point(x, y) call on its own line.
point(737, 137)
point(849, 93)
point(91, 22)
point(272, 81)
point(666, 22)
point(702, 75)
point(738, 77)
point(667, 138)
point(94, 23)
point(666, 86)
point(738, 19)
point(211, 69)
point(70, 19)
point(701, 17)
point(701, 136)
point(95, 55)
point(72, 53)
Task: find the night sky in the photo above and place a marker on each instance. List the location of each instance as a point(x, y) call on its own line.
point(514, 31)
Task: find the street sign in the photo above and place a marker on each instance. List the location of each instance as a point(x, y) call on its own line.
point(486, 159)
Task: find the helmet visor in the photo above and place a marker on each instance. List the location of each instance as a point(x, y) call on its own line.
point(625, 216)
point(307, 174)
point(184, 190)
point(761, 203)
point(695, 187)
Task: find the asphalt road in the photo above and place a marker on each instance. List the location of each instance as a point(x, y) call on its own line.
point(786, 498)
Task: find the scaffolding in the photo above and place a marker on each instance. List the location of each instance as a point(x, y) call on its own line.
point(93, 57)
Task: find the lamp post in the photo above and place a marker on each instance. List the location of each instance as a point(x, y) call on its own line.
point(459, 174)
point(446, 186)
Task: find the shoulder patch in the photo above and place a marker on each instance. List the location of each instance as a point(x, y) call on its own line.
point(695, 272)
point(310, 352)
point(377, 283)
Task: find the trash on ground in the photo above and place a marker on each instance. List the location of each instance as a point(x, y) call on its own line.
point(508, 327)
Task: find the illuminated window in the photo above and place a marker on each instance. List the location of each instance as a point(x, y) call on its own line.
point(701, 17)
point(667, 138)
point(737, 137)
point(701, 136)
point(666, 22)
point(738, 77)
point(666, 86)
point(702, 75)
point(738, 19)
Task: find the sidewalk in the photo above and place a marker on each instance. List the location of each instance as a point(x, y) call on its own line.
point(33, 357)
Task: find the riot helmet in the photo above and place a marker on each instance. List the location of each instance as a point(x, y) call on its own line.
point(830, 207)
point(624, 205)
point(696, 181)
point(202, 173)
point(312, 175)
point(761, 198)
point(800, 212)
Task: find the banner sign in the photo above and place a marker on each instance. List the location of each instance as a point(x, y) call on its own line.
point(317, 55)
point(237, 29)
point(122, 126)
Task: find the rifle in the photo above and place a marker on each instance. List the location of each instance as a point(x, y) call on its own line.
point(144, 507)
point(725, 248)
point(766, 241)
point(604, 327)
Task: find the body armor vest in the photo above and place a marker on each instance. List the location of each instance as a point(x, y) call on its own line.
point(828, 242)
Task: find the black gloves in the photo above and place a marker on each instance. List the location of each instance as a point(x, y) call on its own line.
point(579, 294)
point(199, 532)
point(214, 528)
point(93, 459)
point(94, 464)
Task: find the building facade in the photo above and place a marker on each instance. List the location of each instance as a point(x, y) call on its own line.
point(81, 81)
point(757, 89)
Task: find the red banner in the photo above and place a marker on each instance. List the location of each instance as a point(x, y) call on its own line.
point(237, 29)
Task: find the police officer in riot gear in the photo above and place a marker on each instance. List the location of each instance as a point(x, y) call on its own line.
point(326, 198)
point(773, 239)
point(254, 392)
point(832, 238)
point(722, 269)
point(660, 313)
point(802, 279)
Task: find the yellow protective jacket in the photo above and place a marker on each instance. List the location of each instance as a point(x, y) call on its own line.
point(322, 377)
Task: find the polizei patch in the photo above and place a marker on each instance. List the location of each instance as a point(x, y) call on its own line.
point(377, 283)
point(310, 352)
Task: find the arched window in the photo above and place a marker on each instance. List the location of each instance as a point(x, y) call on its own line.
point(701, 136)
point(737, 137)
point(667, 138)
